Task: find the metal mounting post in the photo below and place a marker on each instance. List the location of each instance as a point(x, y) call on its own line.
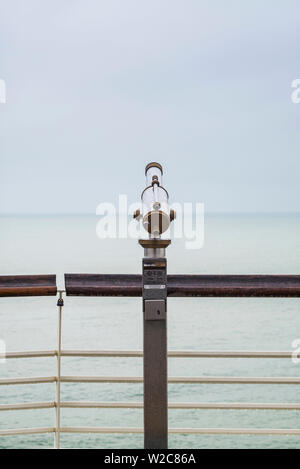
point(155, 344)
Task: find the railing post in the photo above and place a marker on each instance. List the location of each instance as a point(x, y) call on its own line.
point(155, 344)
point(60, 304)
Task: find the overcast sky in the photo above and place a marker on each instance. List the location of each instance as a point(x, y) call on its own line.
point(97, 89)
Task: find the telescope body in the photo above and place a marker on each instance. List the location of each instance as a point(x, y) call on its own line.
point(155, 202)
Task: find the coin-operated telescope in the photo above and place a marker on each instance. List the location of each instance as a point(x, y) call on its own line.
point(156, 215)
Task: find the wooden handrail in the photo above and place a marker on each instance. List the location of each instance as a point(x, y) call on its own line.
point(28, 285)
point(186, 285)
point(131, 285)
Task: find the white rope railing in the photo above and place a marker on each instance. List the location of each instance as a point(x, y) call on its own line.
point(35, 354)
point(132, 430)
point(38, 380)
point(139, 405)
point(139, 354)
point(27, 406)
point(187, 431)
point(27, 431)
point(139, 380)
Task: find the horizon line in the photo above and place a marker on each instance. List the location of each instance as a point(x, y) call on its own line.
point(211, 212)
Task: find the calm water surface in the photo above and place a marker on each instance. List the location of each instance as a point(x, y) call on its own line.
point(264, 244)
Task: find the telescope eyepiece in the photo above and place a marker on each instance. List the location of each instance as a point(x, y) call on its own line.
point(153, 165)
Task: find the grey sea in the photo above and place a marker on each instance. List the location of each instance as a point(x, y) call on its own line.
point(234, 244)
